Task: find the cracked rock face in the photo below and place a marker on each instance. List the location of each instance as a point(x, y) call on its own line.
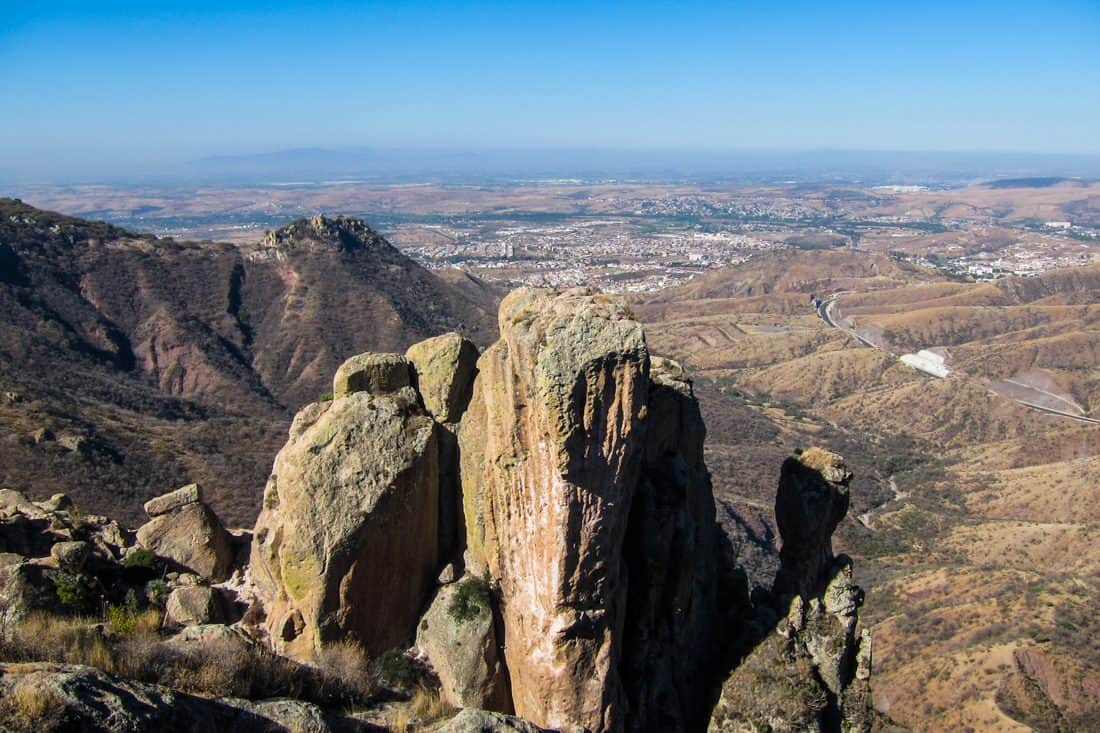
point(345, 546)
point(551, 455)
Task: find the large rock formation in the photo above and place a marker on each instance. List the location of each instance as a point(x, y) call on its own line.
point(346, 543)
point(588, 505)
point(595, 590)
point(551, 450)
point(809, 669)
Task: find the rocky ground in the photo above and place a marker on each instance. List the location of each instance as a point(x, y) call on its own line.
point(527, 537)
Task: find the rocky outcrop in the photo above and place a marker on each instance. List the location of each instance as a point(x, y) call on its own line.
point(589, 507)
point(809, 669)
point(346, 543)
point(551, 450)
point(59, 697)
point(811, 500)
point(190, 536)
point(457, 636)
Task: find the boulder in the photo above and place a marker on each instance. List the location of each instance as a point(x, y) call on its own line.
point(57, 503)
point(551, 449)
point(345, 546)
point(194, 605)
point(484, 721)
point(71, 556)
point(14, 502)
point(25, 587)
point(190, 494)
point(193, 538)
point(457, 636)
point(445, 368)
point(371, 372)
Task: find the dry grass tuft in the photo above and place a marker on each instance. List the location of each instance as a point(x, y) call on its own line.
point(28, 706)
point(428, 706)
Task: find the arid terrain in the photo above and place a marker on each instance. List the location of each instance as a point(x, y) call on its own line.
point(980, 552)
point(131, 365)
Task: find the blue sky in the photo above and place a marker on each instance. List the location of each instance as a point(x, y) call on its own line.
point(128, 84)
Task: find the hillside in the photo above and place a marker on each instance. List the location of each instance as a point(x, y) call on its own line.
point(129, 363)
point(975, 540)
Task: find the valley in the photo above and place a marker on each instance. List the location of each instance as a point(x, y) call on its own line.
point(971, 526)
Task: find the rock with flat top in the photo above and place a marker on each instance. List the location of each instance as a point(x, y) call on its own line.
point(371, 372)
point(190, 494)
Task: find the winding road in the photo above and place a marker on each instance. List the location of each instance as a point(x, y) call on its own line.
point(824, 311)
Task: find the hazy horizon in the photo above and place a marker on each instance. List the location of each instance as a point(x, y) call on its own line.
point(123, 89)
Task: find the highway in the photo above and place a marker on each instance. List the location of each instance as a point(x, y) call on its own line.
point(824, 311)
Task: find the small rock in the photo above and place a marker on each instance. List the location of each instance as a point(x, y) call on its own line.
point(71, 556)
point(194, 605)
point(74, 443)
point(371, 372)
point(449, 574)
point(42, 435)
point(190, 494)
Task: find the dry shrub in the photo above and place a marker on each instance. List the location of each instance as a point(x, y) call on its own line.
point(29, 706)
point(398, 720)
point(427, 706)
point(346, 671)
point(219, 667)
point(42, 637)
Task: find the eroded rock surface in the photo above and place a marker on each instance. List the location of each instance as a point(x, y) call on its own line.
point(458, 638)
point(809, 668)
point(346, 543)
point(551, 450)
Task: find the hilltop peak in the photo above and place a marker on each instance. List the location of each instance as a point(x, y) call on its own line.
point(343, 233)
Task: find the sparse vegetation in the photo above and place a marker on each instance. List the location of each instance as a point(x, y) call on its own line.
point(471, 599)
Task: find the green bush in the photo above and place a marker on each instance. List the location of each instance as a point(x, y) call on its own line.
point(141, 558)
point(397, 669)
point(326, 397)
point(73, 591)
point(157, 591)
point(470, 600)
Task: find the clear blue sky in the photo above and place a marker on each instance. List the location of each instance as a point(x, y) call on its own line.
point(116, 84)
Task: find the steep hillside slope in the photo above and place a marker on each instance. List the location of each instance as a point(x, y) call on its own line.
point(978, 547)
point(130, 363)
